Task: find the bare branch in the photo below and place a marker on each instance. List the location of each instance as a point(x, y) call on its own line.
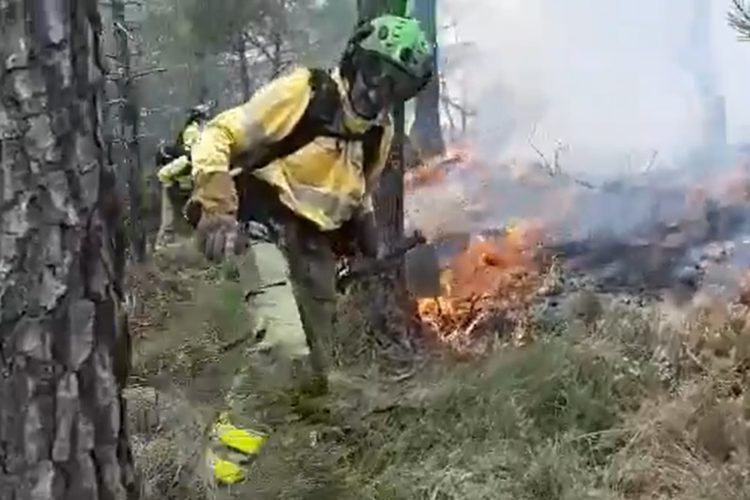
point(555, 170)
point(162, 109)
point(545, 162)
point(133, 140)
point(113, 102)
point(147, 72)
point(259, 44)
point(560, 147)
point(652, 160)
point(452, 103)
point(449, 114)
point(120, 27)
point(126, 3)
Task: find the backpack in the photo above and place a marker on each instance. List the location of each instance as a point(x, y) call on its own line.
point(317, 121)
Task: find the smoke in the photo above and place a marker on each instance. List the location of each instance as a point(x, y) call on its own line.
point(615, 81)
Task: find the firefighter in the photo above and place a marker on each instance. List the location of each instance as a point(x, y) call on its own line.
point(174, 173)
point(311, 145)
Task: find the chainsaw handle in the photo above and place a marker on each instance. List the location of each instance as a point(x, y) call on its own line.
point(371, 267)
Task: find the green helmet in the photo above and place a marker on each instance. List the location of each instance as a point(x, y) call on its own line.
point(400, 40)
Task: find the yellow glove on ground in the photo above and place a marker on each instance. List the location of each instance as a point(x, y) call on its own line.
point(238, 447)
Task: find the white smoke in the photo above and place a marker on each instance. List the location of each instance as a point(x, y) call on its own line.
point(614, 80)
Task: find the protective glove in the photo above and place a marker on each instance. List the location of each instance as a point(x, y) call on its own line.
point(213, 205)
point(217, 236)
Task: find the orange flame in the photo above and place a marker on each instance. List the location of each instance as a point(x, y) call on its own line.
point(492, 277)
point(435, 171)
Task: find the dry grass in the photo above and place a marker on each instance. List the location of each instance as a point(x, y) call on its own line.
point(692, 442)
point(693, 446)
point(186, 320)
point(626, 405)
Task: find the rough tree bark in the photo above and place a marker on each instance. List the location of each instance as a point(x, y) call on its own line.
point(64, 348)
point(240, 48)
point(277, 63)
point(389, 200)
point(426, 131)
point(203, 72)
point(129, 130)
point(389, 314)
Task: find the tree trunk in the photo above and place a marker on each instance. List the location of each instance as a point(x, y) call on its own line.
point(426, 131)
point(128, 131)
point(388, 313)
point(389, 200)
point(241, 50)
point(64, 348)
point(367, 9)
point(202, 76)
point(277, 63)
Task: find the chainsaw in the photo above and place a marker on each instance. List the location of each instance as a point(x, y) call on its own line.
point(422, 269)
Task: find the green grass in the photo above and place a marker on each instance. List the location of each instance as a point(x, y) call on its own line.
point(538, 424)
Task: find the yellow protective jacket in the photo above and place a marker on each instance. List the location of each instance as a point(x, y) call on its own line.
point(178, 170)
point(190, 135)
point(323, 181)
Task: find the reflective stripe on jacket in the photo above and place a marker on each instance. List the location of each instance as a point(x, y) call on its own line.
point(324, 181)
point(177, 170)
point(190, 135)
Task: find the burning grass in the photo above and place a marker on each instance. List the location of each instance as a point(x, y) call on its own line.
point(436, 171)
point(486, 288)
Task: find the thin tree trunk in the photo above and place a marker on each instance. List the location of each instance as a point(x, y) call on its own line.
point(367, 9)
point(387, 312)
point(129, 130)
point(276, 63)
point(203, 90)
point(426, 131)
point(241, 50)
point(64, 350)
point(389, 199)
